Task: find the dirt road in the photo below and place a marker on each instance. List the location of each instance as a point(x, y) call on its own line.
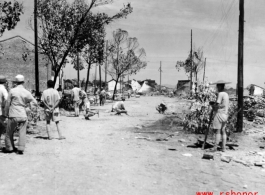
point(103, 156)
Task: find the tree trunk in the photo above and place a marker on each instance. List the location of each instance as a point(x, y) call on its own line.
point(56, 73)
point(115, 88)
point(99, 76)
point(87, 77)
point(78, 71)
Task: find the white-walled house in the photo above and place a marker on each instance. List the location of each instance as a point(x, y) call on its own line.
point(111, 85)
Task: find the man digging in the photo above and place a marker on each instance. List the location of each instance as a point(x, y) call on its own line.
point(51, 100)
point(88, 111)
point(220, 108)
point(119, 108)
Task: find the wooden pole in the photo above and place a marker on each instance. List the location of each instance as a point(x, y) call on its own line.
point(95, 75)
point(191, 62)
point(36, 50)
point(106, 64)
point(99, 66)
point(204, 70)
point(160, 70)
point(240, 76)
point(78, 72)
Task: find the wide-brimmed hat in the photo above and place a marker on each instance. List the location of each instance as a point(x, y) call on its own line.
point(2, 79)
point(220, 82)
point(19, 78)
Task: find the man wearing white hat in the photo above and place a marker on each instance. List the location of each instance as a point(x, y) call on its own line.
point(220, 114)
point(3, 99)
point(15, 109)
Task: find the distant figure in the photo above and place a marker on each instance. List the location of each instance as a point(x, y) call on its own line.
point(102, 97)
point(129, 93)
point(89, 113)
point(119, 108)
point(51, 100)
point(83, 99)
point(76, 99)
point(161, 108)
point(3, 99)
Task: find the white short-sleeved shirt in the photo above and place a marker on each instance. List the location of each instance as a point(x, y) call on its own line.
point(87, 105)
point(50, 97)
point(223, 99)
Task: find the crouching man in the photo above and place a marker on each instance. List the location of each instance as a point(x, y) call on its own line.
point(51, 100)
point(119, 108)
point(161, 108)
point(89, 113)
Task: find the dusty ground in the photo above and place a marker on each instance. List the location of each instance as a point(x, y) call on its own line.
point(114, 155)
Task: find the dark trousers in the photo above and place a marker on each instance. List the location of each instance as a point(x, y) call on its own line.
point(101, 101)
point(2, 127)
point(12, 125)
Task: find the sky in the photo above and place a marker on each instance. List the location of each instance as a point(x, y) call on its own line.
point(163, 29)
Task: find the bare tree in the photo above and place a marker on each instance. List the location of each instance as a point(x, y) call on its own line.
point(125, 56)
point(64, 27)
point(197, 64)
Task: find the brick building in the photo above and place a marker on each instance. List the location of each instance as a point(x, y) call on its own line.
point(17, 57)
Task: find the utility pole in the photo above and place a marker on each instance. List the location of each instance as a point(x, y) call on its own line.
point(191, 62)
point(78, 72)
point(95, 75)
point(240, 76)
point(36, 50)
point(106, 64)
point(160, 70)
point(99, 66)
point(204, 70)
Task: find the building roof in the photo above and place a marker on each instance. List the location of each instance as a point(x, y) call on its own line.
point(254, 85)
point(14, 37)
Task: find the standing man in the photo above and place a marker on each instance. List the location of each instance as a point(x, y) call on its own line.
point(51, 100)
point(76, 99)
point(220, 108)
point(15, 110)
point(3, 99)
point(102, 97)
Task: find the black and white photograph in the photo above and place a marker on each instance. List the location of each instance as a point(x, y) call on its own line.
point(132, 97)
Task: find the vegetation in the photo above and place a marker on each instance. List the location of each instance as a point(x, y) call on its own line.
point(125, 56)
point(197, 65)
point(66, 28)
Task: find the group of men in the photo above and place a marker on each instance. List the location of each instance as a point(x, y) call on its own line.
point(79, 97)
point(13, 112)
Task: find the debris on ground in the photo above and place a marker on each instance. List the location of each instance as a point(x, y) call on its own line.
point(208, 156)
point(226, 159)
point(187, 155)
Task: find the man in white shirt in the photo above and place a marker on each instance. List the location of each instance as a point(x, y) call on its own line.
point(119, 108)
point(88, 111)
point(76, 99)
point(51, 99)
point(15, 110)
point(3, 99)
point(220, 109)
